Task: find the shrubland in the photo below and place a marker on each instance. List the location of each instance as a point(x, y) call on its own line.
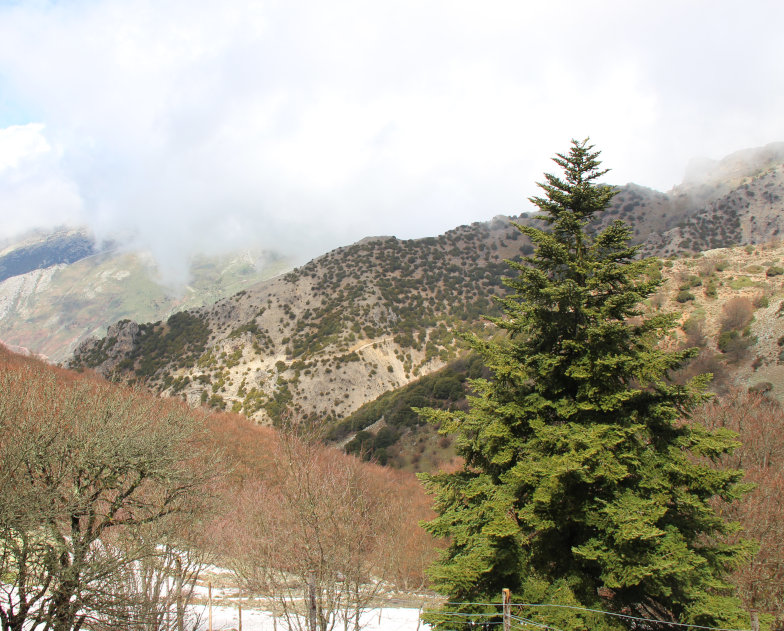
point(758, 423)
point(107, 494)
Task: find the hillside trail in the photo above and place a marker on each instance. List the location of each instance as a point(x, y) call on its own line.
point(364, 344)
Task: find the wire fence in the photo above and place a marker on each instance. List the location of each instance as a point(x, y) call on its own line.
point(510, 619)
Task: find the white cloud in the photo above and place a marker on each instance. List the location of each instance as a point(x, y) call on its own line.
point(33, 191)
point(305, 124)
point(19, 143)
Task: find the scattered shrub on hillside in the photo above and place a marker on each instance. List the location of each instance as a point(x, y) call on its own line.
point(689, 282)
point(707, 361)
point(774, 270)
point(216, 402)
point(179, 341)
point(249, 327)
point(761, 387)
point(735, 344)
point(684, 296)
point(658, 299)
point(706, 268)
point(742, 282)
point(737, 313)
point(694, 328)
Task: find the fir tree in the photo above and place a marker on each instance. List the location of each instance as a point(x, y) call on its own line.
point(582, 485)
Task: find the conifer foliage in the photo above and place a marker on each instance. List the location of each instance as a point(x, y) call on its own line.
point(582, 485)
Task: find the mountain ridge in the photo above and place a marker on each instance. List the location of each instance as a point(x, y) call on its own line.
point(323, 339)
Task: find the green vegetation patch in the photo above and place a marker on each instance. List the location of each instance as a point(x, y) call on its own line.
point(742, 282)
point(444, 389)
point(181, 340)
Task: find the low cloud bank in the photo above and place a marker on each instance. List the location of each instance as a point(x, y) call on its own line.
point(302, 126)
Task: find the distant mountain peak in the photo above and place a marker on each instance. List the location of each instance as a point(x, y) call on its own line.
point(737, 165)
point(39, 250)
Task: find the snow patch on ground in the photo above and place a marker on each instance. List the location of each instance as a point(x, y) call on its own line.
point(226, 618)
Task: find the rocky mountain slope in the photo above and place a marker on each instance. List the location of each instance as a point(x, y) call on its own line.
point(326, 337)
point(61, 288)
point(730, 305)
point(322, 340)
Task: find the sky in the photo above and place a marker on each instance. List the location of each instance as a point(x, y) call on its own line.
point(299, 125)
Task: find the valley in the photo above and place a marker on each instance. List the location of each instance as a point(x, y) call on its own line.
point(344, 349)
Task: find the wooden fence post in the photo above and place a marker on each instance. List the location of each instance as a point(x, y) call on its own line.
point(506, 599)
point(209, 599)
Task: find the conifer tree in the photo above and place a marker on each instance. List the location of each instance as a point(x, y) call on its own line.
point(582, 485)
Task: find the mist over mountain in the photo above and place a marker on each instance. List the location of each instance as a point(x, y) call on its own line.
point(300, 128)
point(364, 319)
point(56, 288)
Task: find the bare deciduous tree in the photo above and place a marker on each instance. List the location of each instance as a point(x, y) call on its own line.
point(759, 423)
point(88, 469)
point(318, 511)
